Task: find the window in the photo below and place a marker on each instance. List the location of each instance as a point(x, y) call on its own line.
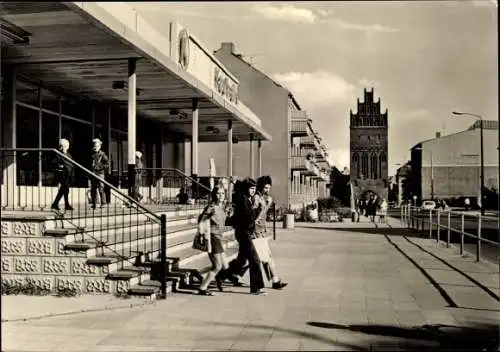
point(50, 139)
point(79, 135)
point(26, 93)
point(382, 163)
point(27, 137)
point(374, 167)
point(50, 101)
point(364, 165)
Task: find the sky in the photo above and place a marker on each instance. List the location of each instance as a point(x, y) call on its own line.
point(424, 59)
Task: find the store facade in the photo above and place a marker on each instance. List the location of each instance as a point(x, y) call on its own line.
point(55, 85)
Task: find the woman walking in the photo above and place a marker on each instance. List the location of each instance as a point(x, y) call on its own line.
point(217, 213)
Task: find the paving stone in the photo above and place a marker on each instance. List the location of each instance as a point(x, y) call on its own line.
point(344, 280)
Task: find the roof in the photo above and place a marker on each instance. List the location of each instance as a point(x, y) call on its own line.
point(487, 125)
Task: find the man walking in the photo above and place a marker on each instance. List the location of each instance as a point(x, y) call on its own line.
point(100, 166)
point(64, 172)
point(246, 211)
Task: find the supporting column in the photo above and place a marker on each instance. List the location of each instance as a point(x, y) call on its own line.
point(131, 133)
point(93, 122)
point(194, 148)
point(108, 133)
point(259, 157)
point(230, 159)
point(59, 118)
point(40, 145)
point(252, 175)
point(9, 193)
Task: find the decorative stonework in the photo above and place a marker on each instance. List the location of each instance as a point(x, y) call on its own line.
point(25, 228)
point(13, 246)
point(65, 252)
point(122, 286)
point(6, 264)
point(70, 284)
point(5, 228)
point(12, 280)
point(55, 266)
point(78, 267)
point(40, 246)
point(41, 282)
point(27, 265)
point(98, 286)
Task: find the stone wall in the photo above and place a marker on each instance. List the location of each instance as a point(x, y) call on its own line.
point(29, 257)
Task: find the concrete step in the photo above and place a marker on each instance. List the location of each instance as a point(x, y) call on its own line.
point(188, 275)
point(149, 288)
point(126, 232)
point(114, 220)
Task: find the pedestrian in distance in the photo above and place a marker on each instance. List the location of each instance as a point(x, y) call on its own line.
point(63, 172)
point(100, 167)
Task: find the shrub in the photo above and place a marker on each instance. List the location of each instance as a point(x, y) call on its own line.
point(329, 203)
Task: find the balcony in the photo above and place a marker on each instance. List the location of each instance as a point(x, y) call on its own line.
point(298, 114)
point(299, 163)
point(308, 141)
point(298, 128)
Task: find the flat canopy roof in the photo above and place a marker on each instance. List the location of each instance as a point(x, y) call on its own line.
point(82, 48)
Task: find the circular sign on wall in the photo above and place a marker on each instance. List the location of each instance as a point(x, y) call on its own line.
point(184, 48)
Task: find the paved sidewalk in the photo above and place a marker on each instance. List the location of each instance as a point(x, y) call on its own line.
point(351, 287)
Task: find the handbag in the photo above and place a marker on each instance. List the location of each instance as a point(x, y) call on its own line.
point(262, 247)
point(201, 241)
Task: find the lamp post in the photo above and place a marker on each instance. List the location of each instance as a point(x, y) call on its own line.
point(432, 170)
point(481, 153)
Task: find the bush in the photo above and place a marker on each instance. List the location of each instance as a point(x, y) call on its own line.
point(329, 203)
point(344, 212)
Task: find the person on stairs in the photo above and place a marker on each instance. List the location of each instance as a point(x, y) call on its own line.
point(100, 167)
point(64, 172)
point(217, 212)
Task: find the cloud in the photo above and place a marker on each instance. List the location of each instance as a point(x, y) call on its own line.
point(289, 13)
point(318, 88)
point(365, 82)
point(339, 157)
point(368, 30)
point(420, 114)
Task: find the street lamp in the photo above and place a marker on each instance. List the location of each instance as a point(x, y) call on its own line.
point(432, 170)
point(480, 118)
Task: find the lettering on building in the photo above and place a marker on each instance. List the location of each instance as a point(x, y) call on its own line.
point(224, 86)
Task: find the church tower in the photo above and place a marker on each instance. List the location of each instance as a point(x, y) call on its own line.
point(369, 144)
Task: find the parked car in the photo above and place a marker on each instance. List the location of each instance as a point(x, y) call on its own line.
point(428, 204)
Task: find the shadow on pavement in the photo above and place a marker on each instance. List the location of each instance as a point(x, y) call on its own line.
point(301, 334)
point(391, 231)
point(480, 337)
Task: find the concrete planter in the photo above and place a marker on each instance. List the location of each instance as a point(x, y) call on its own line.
point(289, 221)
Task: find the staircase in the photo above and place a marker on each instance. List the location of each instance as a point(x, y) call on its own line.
point(59, 255)
point(110, 250)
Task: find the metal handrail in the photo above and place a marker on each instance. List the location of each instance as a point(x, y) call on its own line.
point(176, 170)
point(87, 171)
point(408, 216)
point(137, 208)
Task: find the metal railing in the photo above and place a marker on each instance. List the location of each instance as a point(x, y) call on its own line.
point(457, 227)
point(168, 186)
point(107, 223)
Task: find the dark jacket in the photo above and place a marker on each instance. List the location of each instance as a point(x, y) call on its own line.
point(100, 162)
point(63, 165)
point(245, 216)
